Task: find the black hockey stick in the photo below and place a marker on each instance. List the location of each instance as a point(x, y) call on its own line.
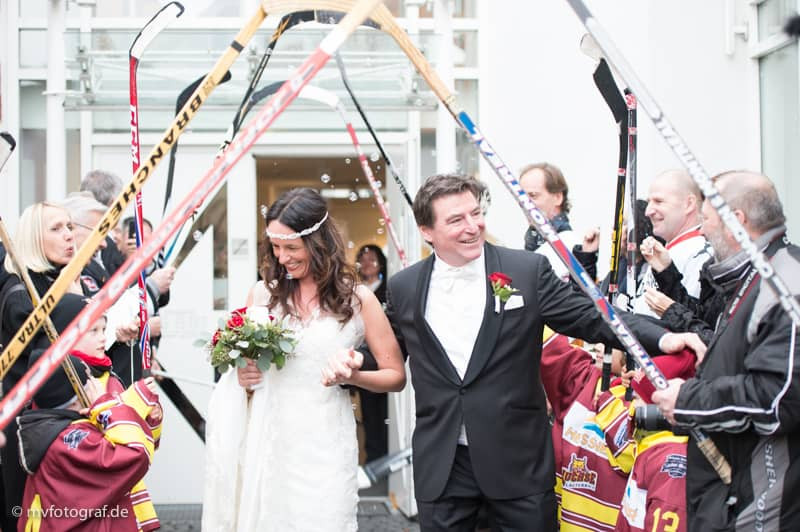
point(386, 158)
point(604, 81)
point(183, 97)
point(6, 148)
point(633, 242)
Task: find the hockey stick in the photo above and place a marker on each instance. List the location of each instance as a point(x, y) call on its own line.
point(6, 148)
point(604, 81)
point(386, 158)
point(112, 216)
point(49, 328)
point(690, 162)
point(699, 175)
point(633, 243)
point(535, 217)
point(183, 97)
point(154, 26)
point(330, 99)
point(369, 474)
point(37, 374)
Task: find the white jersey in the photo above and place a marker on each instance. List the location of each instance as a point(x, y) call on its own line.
point(688, 251)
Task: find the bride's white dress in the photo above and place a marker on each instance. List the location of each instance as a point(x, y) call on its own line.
point(289, 460)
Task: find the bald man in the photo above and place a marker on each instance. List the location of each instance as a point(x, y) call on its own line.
point(673, 206)
point(746, 394)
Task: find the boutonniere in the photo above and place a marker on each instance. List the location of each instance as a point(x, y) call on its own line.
point(502, 289)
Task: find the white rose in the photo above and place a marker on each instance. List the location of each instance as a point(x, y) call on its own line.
point(244, 344)
point(260, 315)
point(234, 354)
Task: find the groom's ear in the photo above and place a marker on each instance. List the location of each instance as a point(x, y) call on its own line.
point(426, 232)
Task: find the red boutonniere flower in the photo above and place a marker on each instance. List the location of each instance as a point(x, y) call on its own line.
point(501, 286)
point(216, 337)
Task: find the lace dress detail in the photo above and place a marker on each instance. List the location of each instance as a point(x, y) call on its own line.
point(299, 448)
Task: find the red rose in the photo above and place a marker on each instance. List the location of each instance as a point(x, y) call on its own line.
point(501, 278)
point(216, 337)
point(235, 321)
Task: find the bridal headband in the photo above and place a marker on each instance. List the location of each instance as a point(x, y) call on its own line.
point(304, 232)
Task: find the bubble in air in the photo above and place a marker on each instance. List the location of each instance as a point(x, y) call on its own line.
point(378, 183)
point(325, 178)
point(353, 196)
point(379, 230)
point(197, 235)
point(347, 160)
point(381, 221)
point(374, 156)
point(350, 244)
point(264, 211)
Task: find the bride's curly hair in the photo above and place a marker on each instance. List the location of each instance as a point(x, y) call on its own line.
point(299, 209)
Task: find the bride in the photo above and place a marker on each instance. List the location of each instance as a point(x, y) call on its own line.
point(281, 450)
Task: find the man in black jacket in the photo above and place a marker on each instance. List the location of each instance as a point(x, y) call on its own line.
point(482, 434)
point(745, 394)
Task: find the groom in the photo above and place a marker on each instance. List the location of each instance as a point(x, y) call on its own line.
point(482, 434)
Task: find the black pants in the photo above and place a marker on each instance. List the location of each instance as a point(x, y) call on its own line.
point(456, 510)
point(374, 411)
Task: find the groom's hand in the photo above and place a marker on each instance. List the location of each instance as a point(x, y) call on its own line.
point(342, 368)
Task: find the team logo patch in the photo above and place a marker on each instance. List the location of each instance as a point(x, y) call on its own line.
point(675, 465)
point(74, 438)
point(578, 475)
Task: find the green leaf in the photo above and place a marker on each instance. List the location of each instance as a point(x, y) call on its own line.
point(200, 342)
point(240, 362)
point(280, 360)
point(263, 363)
point(286, 346)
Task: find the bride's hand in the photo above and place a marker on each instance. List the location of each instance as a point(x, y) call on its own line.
point(343, 366)
point(249, 376)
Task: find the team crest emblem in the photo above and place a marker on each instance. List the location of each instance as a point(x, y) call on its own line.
point(74, 438)
point(578, 475)
point(675, 465)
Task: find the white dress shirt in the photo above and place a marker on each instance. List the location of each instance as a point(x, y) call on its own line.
point(454, 311)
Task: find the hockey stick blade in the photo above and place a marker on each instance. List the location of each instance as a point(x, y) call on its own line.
point(165, 16)
point(6, 147)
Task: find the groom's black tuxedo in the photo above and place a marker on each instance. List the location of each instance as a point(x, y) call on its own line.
point(500, 400)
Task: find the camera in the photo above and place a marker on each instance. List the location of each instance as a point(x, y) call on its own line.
point(649, 417)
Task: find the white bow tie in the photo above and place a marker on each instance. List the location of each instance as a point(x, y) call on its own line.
point(447, 277)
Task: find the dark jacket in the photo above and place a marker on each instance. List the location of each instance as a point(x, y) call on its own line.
point(746, 397)
point(500, 400)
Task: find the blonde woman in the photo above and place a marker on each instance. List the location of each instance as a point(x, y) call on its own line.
point(44, 244)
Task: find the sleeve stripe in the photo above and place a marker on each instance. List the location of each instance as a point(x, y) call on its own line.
point(766, 428)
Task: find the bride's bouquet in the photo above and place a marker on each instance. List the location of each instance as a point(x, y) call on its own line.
point(249, 333)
